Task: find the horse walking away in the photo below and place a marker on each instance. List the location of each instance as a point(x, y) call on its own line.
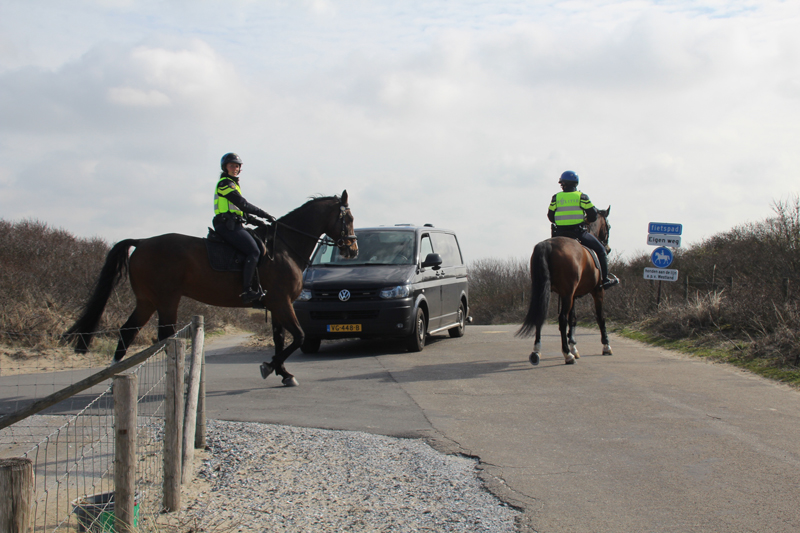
point(165, 268)
point(562, 265)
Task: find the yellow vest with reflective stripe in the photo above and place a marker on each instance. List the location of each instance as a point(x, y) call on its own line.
point(221, 203)
point(569, 208)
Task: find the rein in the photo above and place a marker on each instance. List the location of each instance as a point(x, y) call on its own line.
point(340, 243)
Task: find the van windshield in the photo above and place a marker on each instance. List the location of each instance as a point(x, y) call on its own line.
point(375, 247)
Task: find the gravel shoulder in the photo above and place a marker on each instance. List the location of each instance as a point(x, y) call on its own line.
point(264, 477)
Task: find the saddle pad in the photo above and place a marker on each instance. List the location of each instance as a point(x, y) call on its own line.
point(224, 257)
point(594, 256)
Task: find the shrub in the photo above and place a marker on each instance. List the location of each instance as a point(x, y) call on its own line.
point(47, 274)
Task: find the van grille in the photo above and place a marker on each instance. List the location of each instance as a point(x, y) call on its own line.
point(327, 295)
point(344, 315)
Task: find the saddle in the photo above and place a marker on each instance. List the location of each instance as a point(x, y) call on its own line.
point(593, 254)
point(554, 232)
point(225, 258)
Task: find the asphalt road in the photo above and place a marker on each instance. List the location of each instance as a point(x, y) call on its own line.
point(641, 441)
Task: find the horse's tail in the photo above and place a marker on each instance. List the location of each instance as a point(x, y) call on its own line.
point(116, 265)
point(540, 290)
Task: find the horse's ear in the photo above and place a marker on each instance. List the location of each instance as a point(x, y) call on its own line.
point(608, 211)
point(344, 197)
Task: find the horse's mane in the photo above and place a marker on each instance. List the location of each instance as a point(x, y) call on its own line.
point(311, 200)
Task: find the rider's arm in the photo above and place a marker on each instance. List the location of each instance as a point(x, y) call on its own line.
point(588, 208)
point(246, 207)
point(551, 211)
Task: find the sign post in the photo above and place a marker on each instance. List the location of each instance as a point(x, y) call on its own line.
point(664, 235)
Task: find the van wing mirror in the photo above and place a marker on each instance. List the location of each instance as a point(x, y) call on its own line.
point(433, 260)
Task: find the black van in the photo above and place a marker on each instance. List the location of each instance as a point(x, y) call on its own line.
point(407, 281)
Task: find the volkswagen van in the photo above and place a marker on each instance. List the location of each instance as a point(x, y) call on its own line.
point(407, 282)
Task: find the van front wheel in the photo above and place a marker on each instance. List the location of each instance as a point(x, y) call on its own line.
point(416, 341)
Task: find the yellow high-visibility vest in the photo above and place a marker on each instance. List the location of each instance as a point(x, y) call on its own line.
point(569, 208)
point(221, 203)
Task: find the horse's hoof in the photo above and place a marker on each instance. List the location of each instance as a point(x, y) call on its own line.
point(534, 358)
point(569, 359)
point(290, 382)
point(574, 351)
point(607, 350)
point(266, 370)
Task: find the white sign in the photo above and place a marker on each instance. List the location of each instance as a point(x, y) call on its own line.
point(658, 239)
point(661, 274)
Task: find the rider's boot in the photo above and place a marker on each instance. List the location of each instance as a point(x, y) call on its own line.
point(248, 294)
point(609, 280)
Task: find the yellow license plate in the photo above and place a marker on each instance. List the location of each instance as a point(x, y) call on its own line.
point(343, 328)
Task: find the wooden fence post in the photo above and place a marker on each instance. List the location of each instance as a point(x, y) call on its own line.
point(198, 336)
point(126, 388)
point(16, 494)
point(190, 417)
point(173, 425)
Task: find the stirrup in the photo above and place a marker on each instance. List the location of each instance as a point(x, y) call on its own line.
point(250, 296)
point(610, 281)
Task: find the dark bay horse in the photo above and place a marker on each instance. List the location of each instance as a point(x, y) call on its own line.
point(562, 265)
point(166, 268)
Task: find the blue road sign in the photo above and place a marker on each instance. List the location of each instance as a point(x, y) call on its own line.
point(661, 257)
point(665, 228)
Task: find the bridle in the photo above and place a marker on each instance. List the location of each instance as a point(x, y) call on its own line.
point(341, 243)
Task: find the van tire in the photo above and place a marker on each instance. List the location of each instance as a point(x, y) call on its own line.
point(458, 331)
point(416, 341)
point(310, 345)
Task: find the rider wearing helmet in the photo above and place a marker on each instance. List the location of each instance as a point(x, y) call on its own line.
point(231, 212)
point(569, 211)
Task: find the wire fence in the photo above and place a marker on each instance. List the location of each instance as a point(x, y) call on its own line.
point(72, 443)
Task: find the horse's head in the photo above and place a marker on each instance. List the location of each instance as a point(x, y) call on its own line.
point(340, 228)
point(601, 228)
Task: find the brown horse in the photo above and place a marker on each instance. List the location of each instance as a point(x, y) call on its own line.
point(166, 268)
point(562, 265)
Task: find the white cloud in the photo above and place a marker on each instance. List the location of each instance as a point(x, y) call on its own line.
point(137, 97)
point(463, 116)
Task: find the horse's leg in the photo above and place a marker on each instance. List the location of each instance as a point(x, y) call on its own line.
point(168, 319)
point(131, 328)
point(285, 318)
point(278, 336)
point(573, 344)
point(278, 340)
point(563, 320)
point(601, 320)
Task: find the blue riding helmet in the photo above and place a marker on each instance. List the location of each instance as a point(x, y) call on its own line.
point(229, 158)
point(568, 177)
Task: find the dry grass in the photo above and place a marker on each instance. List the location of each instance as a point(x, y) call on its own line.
point(46, 275)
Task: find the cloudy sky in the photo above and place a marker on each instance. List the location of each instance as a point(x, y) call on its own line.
point(114, 113)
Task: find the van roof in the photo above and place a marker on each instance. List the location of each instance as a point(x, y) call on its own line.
point(404, 227)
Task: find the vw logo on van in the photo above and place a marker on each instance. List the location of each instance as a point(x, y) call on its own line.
point(344, 295)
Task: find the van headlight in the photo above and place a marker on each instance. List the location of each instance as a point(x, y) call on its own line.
point(391, 293)
point(305, 295)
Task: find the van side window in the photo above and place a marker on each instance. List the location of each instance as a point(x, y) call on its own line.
point(425, 247)
point(446, 245)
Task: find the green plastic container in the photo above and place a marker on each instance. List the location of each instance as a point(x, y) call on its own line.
point(96, 513)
